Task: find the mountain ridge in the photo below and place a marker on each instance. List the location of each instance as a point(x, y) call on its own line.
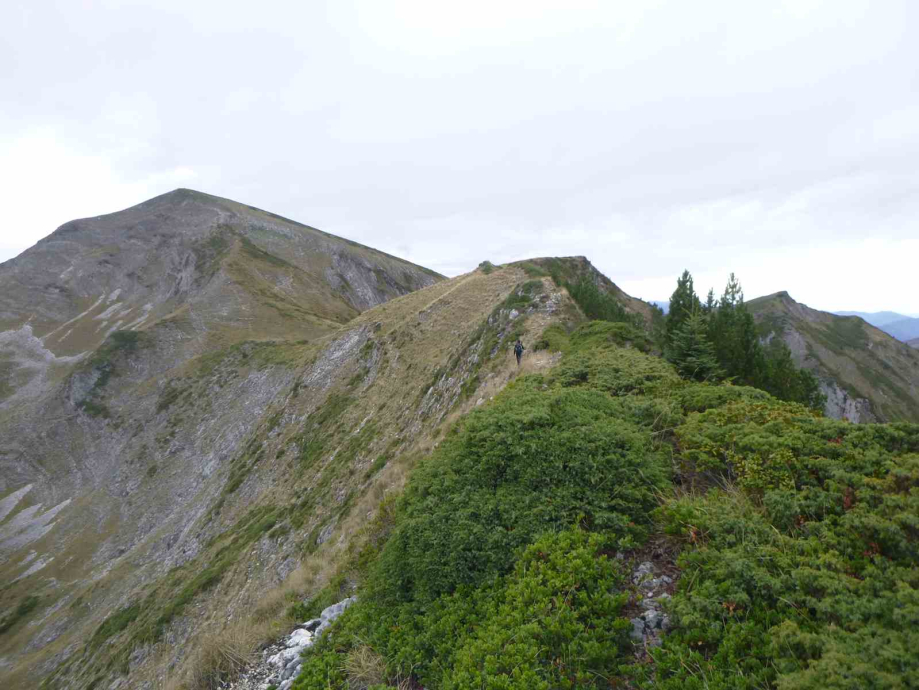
point(159, 477)
point(866, 374)
point(178, 486)
point(875, 318)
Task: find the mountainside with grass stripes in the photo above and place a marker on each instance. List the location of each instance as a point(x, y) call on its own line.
point(203, 405)
point(866, 374)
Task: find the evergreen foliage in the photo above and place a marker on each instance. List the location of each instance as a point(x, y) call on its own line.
point(733, 338)
point(692, 353)
point(683, 303)
point(597, 304)
point(805, 575)
point(785, 381)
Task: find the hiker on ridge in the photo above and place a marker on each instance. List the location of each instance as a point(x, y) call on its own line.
point(518, 350)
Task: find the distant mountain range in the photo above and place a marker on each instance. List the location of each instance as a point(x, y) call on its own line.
point(900, 326)
point(875, 318)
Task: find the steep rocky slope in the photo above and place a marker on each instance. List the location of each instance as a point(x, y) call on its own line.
point(233, 433)
point(211, 267)
point(866, 374)
point(101, 325)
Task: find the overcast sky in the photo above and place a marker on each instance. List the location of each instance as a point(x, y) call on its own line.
point(779, 140)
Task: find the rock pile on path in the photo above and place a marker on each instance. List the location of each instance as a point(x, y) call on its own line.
point(280, 663)
point(648, 627)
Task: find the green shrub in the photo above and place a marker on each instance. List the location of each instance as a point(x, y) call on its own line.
point(598, 304)
point(805, 577)
point(602, 334)
point(531, 462)
point(618, 372)
point(555, 623)
point(532, 270)
point(554, 339)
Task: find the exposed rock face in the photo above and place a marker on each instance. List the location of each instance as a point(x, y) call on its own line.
point(279, 664)
point(840, 405)
point(866, 374)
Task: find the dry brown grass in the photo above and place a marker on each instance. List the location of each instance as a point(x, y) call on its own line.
point(222, 655)
point(218, 657)
point(365, 668)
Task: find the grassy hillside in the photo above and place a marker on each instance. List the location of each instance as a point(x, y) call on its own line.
point(245, 470)
point(510, 559)
point(866, 374)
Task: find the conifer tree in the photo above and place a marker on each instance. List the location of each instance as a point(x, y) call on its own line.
point(710, 302)
point(719, 339)
point(692, 353)
point(683, 303)
point(784, 380)
point(732, 330)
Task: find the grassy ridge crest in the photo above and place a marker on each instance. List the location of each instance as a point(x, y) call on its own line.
point(797, 537)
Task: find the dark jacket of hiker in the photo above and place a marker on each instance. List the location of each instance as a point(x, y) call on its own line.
point(518, 350)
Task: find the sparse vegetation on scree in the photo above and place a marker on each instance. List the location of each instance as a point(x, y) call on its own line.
point(505, 563)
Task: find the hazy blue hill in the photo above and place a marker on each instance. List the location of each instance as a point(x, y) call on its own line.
point(904, 329)
point(878, 319)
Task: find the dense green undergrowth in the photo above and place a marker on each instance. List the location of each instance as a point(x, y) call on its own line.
point(497, 567)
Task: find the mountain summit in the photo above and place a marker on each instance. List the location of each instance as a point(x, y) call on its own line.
point(213, 268)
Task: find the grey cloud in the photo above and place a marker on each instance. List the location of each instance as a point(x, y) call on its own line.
point(648, 136)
